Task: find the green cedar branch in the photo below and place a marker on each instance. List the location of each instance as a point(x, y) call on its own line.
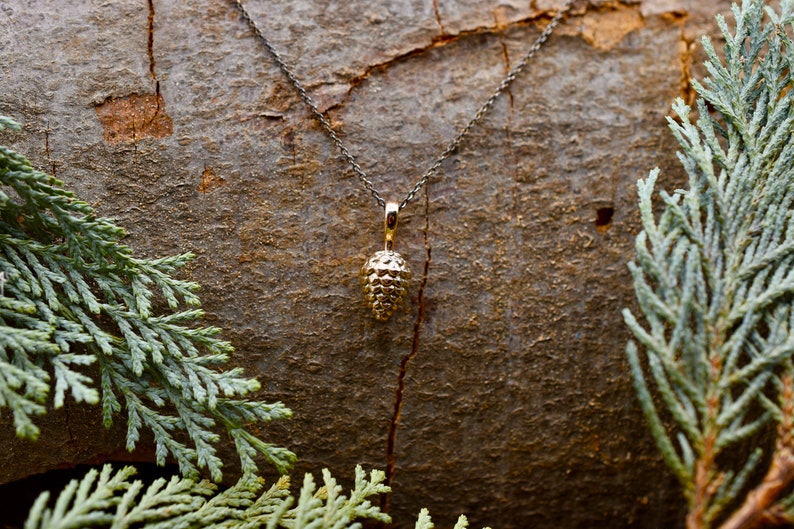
point(73, 295)
point(714, 280)
point(112, 499)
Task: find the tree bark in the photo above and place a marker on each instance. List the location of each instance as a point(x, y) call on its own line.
point(499, 389)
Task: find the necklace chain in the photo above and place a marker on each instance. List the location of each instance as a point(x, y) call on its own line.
point(451, 147)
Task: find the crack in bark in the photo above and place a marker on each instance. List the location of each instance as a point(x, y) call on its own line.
point(391, 442)
point(508, 129)
point(135, 142)
point(152, 71)
point(437, 13)
point(150, 46)
point(503, 263)
point(441, 40)
point(152, 66)
point(444, 38)
point(438, 41)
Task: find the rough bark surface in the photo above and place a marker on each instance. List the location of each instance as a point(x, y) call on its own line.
point(500, 389)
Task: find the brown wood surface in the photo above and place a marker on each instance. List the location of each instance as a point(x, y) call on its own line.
point(507, 360)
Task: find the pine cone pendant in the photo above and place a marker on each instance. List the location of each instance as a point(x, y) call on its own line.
point(385, 280)
point(385, 276)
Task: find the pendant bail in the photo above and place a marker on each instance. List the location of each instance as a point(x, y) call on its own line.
point(390, 224)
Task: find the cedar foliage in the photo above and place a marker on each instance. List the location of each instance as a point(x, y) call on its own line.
point(72, 295)
point(714, 279)
point(112, 499)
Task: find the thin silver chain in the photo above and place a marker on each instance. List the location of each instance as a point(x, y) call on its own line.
point(453, 145)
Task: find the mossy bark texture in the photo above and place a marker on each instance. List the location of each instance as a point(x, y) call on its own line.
point(499, 389)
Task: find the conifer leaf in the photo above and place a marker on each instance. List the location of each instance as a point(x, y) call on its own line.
point(714, 274)
point(424, 521)
point(112, 499)
point(74, 295)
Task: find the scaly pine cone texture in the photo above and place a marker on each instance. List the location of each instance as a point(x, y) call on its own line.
point(384, 279)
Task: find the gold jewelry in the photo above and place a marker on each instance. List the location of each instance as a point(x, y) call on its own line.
point(385, 275)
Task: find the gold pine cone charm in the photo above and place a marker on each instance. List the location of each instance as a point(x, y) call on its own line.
point(385, 276)
point(384, 279)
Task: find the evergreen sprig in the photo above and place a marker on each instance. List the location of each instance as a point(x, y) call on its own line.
point(425, 522)
point(73, 295)
point(714, 276)
point(112, 499)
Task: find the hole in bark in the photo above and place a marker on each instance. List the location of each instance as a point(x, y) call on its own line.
point(604, 218)
point(17, 497)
